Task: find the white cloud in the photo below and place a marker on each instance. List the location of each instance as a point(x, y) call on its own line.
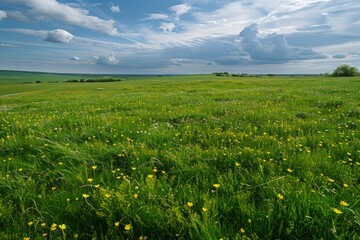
point(167, 27)
point(2, 14)
point(56, 36)
point(74, 58)
point(115, 8)
point(59, 36)
point(157, 16)
point(272, 48)
point(110, 59)
point(17, 15)
point(70, 14)
point(180, 9)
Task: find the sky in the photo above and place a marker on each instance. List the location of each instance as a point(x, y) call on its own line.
point(179, 36)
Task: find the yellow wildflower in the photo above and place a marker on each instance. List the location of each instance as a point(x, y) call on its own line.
point(43, 224)
point(216, 185)
point(190, 204)
point(94, 167)
point(331, 180)
point(107, 195)
point(280, 196)
point(346, 185)
point(289, 170)
point(90, 180)
point(117, 224)
point(30, 223)
point(26, 238)
point(242, 230)
point(62, 226)
point(85, 195)
point(136, 196)
point(127, 227)
point(337, 211)
point(53, 227)
point(344, 203)
point(204, 209)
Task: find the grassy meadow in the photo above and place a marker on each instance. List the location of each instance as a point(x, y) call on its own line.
point(182, 157)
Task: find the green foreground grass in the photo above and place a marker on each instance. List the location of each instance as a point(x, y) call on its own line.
point(196, 157)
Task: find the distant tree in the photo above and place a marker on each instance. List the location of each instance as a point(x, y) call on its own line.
point(345, 71)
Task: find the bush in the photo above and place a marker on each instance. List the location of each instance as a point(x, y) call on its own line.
point(345, 71)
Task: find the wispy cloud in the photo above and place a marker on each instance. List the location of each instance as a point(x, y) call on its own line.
point(56, 36)
point(7, 45)
point(157, 16)
point(69, 14)
point(2, 14)
point(17, 15)
point(167, 27)
point(115, 8)
point(180, 9)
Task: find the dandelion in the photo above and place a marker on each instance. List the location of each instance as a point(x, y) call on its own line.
point(344, 203)
point(216, 185)
point(62, 226)
point(127, 227)
point(190, 204)
point(117, 224)
point(331, 180)
point(107, 195)
point(280, 196)
point(53, 227)
point(337, 211)
point(289, 170)
point(85, 195)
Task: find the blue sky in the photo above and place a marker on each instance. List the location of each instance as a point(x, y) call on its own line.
point(193, 36)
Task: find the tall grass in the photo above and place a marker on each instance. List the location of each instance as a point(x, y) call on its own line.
point(196, 157)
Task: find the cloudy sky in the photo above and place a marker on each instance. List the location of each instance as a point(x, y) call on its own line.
point(179, 36)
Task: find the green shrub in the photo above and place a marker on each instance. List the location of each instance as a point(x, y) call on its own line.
point(345, 71)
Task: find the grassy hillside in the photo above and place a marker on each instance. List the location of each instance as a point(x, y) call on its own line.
point(26, 77)
point(196, 157)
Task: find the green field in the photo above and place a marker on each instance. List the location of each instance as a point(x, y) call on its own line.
point(185, 157)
